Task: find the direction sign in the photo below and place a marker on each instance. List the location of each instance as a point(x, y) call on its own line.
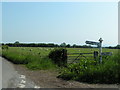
point(92, 43)
point(106, 53)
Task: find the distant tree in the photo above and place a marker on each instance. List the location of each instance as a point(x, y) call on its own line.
point(68, 45)
point(118, 46)
point(74, 45)
point(16, 44)
point(63, 44)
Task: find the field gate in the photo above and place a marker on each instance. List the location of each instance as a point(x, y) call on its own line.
point(74, 57)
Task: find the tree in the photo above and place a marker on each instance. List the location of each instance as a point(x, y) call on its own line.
point(118, 46)
point(68, 45)
point(16, 43)
point(74, 45)
point(63, 44)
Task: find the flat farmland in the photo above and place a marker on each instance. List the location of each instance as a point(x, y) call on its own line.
point(24, 55)
point(44, 51)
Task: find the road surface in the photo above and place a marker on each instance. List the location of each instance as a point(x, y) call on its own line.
point(15, 76)
point(0, 73)
point(12, 79)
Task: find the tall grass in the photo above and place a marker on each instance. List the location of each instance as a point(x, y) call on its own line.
point(89, 71)
point(41, 63)
point(33, 60)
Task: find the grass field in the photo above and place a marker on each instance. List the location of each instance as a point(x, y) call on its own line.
point(36, 58)
point(45, 51)
point(22, 54)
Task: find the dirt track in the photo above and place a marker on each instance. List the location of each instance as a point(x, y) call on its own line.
point(42, 78)
point(47, 79)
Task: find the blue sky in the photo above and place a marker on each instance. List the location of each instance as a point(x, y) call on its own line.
point(0, 22)
point(57, 22)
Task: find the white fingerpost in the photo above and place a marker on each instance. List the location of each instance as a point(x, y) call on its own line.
point(100, 49)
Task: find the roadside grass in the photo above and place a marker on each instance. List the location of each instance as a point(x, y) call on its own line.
point(90, 72)
point(32, 59)
point(41, 64)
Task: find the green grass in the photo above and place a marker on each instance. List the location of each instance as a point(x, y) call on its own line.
point(93, 72)
point(33, 58)
point(25, 55)
point(36, 58)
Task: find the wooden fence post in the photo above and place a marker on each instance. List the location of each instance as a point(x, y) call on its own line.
point(64, 57)
point(95, 54)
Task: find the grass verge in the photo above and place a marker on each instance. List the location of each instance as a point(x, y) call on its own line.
point(31, 60)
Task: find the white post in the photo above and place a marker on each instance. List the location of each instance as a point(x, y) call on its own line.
point(100, 49)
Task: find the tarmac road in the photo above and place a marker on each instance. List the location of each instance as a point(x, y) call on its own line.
point(12, 79)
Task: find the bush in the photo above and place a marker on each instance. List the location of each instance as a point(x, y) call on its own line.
point(59, 56)
point(76, 70)
point(5, 47)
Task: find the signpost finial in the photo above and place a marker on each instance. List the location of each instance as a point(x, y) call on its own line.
point(100, 40)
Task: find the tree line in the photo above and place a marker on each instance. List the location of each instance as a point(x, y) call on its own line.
point(18, 44)
point(116, 47)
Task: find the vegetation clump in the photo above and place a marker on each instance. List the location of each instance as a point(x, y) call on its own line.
point(59, 56)
point(5, 47)
point(90, 72)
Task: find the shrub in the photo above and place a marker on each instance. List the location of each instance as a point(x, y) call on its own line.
point(4, 46)
point(59, 56)
point(76, 70)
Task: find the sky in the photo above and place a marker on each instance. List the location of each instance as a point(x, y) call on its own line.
point(57, 22)
point(0, 21)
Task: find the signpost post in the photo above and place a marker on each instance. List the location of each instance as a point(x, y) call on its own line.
point(99, 44)
point(100, 49)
